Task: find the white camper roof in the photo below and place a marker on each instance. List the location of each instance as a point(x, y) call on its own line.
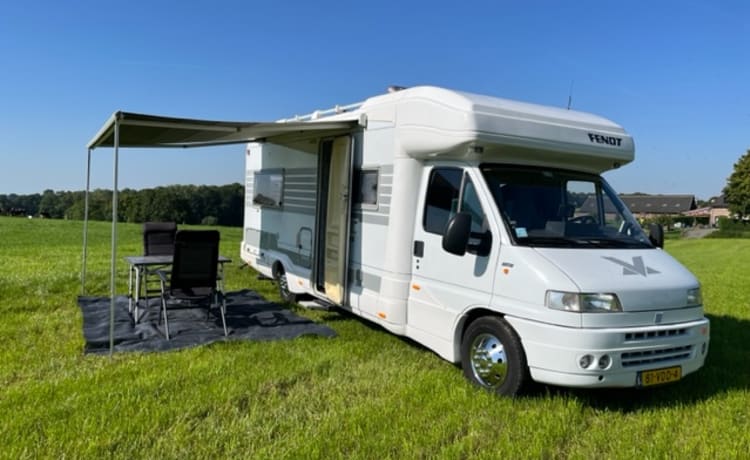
point(435, 122)
point(432, 122)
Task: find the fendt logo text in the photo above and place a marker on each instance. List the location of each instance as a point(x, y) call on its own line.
point(609, 140)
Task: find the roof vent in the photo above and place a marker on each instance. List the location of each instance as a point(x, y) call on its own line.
point(395, 88)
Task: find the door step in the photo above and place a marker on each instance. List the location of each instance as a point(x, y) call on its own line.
point(316, 304)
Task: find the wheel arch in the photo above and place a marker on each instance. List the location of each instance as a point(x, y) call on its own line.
point(277, 268)
point(463, 323)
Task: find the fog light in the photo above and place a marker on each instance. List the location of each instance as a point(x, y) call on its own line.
point(585, 361)
point(604, 361)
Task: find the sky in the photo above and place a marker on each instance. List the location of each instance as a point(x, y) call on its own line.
point(674, 74)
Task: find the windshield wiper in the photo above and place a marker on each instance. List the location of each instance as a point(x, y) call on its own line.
point(595, 242)
point(554, 241)
point(616, 243)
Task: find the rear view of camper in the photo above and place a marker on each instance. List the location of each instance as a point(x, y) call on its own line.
point(481, 228)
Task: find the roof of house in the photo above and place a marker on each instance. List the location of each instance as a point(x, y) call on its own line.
point(717, 202)
point(659, 204)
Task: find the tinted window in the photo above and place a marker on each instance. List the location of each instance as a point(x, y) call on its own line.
point(366, 187)
point(470, 203)
point(441, 202)
point(557, 208)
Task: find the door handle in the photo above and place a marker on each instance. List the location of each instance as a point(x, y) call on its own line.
point(418, 248)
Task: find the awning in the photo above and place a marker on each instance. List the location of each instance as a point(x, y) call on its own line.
point(126, 129)
point(145, 131)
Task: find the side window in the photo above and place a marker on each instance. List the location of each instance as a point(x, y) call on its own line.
point(366, 187)
point(441, 201)
point(470, 203)
point(268, 188)
point(446, 197)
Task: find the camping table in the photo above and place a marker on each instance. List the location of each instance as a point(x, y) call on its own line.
point(139, 265)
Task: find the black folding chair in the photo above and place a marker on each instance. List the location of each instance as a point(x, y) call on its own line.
point(158, 240)
point(193, 280)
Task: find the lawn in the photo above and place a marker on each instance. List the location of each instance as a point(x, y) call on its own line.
point(363, 394)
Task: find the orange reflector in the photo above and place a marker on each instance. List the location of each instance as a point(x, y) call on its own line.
point(416, 287)
point(506, 270)
point(381, 314)
point(299, 282)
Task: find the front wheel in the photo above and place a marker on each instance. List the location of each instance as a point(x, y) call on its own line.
point(492, 356)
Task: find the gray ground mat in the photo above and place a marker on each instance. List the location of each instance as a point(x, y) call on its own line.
point(249, 317)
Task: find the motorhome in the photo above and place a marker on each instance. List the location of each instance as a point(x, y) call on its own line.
point(481, 228)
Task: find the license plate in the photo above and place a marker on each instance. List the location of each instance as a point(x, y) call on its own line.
point(659, 376)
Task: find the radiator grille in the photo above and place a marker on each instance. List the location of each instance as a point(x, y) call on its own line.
point(638, 358)
point(649, 335)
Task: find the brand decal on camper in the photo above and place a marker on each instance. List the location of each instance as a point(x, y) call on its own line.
point(638, 267)
point(609, 140)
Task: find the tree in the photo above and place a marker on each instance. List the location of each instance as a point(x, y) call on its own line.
point(737, 190)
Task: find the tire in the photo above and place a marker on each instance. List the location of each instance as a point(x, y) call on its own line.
point(492, 356)
point(283, 282)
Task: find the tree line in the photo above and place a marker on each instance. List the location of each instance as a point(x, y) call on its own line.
point(184, 204)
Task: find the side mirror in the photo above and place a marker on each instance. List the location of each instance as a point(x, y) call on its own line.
point(457, 233)
point(656, 235)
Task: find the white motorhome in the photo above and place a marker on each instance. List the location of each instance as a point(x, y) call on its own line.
point(481, 228)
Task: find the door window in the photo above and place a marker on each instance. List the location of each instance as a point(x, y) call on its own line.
point(450, 191)
point(470, 203)
point(441, 201)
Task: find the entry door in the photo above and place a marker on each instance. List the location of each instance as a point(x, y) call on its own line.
point(337, 219)
point(444, 284)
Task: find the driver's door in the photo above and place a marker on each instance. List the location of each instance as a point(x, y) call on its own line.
point(443, 284)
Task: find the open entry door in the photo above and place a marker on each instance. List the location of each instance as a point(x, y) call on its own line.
point(333, 217)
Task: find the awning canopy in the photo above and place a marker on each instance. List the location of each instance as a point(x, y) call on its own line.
point(145, 131)
point(126, 129)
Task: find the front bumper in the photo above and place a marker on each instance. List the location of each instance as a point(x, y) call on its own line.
point(554, 353)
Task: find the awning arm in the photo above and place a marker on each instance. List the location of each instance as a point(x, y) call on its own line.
point(86, 223)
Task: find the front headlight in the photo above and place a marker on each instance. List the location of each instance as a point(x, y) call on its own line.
point(584, 303)
point(694, 297)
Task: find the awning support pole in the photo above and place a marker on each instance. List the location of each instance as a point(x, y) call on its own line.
point(86, 223)
point(113, 266)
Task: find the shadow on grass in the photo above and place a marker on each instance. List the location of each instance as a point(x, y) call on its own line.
point(725, 370)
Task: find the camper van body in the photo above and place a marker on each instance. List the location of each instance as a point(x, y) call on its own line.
point(357, 218)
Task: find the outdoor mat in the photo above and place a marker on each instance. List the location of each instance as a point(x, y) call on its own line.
point(249, 317)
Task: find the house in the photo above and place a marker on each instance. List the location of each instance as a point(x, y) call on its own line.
point(716, 209)
point(645, 206)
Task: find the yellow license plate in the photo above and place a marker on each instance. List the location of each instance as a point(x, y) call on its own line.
point(659, 376)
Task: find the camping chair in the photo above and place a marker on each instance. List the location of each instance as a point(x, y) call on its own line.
point(193, 280)
point(158, 240)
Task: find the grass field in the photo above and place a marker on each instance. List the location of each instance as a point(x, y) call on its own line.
point(363, 394)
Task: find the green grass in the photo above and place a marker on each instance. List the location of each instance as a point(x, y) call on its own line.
point(363, 394)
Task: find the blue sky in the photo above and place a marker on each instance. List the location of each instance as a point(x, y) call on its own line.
point(676, 75)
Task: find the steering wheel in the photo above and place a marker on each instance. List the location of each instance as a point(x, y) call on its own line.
point(585, 220)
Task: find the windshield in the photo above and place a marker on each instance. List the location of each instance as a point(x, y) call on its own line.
point(555, 208)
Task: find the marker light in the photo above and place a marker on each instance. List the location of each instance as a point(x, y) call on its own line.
point(583, 303)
